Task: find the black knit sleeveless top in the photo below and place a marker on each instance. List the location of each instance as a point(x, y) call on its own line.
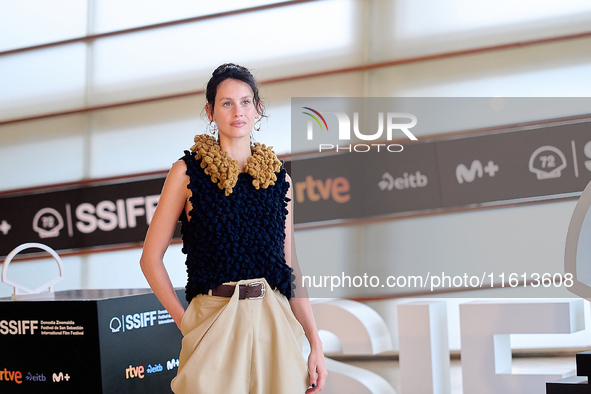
point(234, 237)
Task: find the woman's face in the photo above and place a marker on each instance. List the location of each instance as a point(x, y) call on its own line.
point(234, 110)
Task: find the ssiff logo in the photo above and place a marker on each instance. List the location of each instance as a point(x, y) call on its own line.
point(115, 324)
point(135, 321)
point(47, 223)
point(18, 327)
point(345, 130)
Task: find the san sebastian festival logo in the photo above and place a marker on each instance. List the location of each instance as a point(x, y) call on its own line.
point(391, 119)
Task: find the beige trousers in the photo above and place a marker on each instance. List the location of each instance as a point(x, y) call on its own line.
point(233, 346)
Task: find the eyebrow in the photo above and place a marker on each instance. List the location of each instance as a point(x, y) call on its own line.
point(241, 98)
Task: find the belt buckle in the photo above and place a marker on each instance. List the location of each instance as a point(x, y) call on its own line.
point(263, 289)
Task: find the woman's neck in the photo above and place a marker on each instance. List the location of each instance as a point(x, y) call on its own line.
point(237, 148)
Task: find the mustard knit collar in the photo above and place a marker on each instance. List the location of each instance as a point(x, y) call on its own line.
point(261, 165)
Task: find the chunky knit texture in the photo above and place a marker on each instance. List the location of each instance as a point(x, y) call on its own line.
point(261, 165)
point(234, 236)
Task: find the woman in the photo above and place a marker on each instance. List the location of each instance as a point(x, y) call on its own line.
point(241, 334)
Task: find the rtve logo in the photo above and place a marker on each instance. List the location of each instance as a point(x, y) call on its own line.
point(134, 372)
point(336, 189)
point(345, 130)
point(11, 376)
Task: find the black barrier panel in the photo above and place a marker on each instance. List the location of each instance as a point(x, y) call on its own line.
point(80, 218)
point(400, 182)
point(506, 166)
point(49, 347)
point(366, 179)
point(88, 342)
point(381, 177)
point(325, 192)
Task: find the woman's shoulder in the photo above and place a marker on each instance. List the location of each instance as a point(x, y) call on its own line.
point(179, 166)
point(189, 169)
point(178, 172)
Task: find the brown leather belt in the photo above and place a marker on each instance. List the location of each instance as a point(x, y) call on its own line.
point(253, 290)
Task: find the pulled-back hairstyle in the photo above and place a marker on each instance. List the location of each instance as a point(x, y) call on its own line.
point(233, 71)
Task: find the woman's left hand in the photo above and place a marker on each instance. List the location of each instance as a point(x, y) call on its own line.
point(317, 371)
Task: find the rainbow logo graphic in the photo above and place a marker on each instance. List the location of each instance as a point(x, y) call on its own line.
point(315, 118)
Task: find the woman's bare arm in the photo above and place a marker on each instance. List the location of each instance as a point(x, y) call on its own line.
point(302, 310)
point(172, 202)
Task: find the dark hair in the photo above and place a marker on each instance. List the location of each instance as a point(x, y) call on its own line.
point(233, 71)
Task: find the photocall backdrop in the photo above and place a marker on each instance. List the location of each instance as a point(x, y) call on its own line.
point(365, 158)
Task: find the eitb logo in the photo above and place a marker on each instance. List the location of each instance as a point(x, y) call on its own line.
point(395, 121)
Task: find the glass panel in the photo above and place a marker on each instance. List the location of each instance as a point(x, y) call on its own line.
point(181, 58)
point(26, 23)
point(409, 28)
point(114, 15)
point(44, 80)
point(431, 18)
point(101, 266)
point(143, 138)
point(41, 163)
point(47, 151)
point(553, 70)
